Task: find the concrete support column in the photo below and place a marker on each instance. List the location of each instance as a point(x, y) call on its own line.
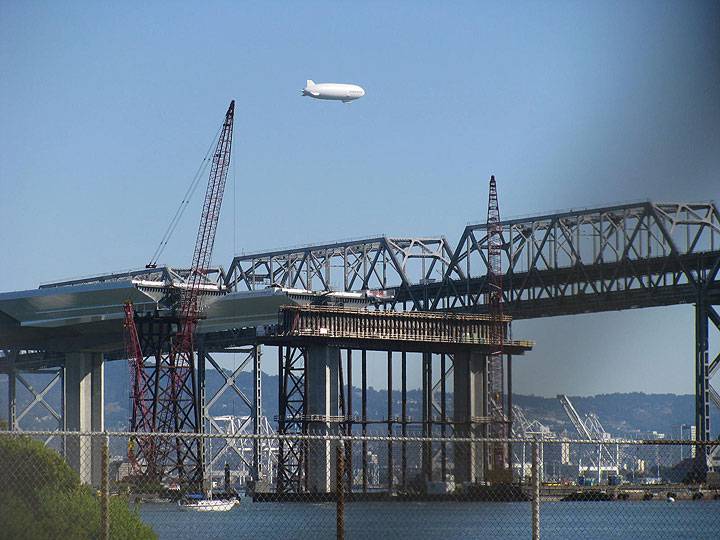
point(322, 367)
point(97, 414)
point(469, 403)
point(84, 403)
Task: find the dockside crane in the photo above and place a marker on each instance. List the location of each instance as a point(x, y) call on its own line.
point(574, 417)
point(592, 430)
point(170, 381)
point(523, 428)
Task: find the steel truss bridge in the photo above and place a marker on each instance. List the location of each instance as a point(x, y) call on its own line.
point(585, 261)
point(593, 260)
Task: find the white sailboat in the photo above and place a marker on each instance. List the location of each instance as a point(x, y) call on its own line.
point(208, 504)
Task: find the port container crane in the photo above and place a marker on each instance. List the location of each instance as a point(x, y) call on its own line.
point(592, 430)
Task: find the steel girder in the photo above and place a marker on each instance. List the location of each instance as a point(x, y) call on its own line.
point(371, 263)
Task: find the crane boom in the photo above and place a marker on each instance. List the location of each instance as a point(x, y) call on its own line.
point(574, 417)
point(592, 430)
point(205, 240)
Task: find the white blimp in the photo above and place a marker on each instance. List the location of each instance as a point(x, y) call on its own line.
point(335, 91)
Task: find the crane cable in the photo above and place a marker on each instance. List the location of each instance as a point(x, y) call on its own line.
point(234, 186)
point(183, 204)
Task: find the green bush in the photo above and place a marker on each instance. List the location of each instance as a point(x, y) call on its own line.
point(42, 497)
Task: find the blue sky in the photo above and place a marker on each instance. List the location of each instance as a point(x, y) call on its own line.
point(107, 111)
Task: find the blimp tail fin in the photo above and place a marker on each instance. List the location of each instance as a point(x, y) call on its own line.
point(309, 83)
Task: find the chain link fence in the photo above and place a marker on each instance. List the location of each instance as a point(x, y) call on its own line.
point(86, 486)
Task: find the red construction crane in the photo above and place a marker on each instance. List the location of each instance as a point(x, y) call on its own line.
point(188, 308)
point(180, 412)
point(170, 380)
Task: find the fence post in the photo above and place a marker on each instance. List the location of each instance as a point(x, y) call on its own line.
point(536, 489)
point(340, 490)
point(105, 489)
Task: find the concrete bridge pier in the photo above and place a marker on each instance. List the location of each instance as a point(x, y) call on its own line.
point(322, 367)
point(470, 406)
point(84, 403)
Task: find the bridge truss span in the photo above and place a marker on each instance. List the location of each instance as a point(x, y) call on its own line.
point(634, 255)
point(376, 263)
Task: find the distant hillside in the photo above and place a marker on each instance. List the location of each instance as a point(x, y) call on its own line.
point(622, 415)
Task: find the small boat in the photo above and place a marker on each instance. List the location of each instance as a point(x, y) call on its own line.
point(208, 505)
point(156, 500)
point(201, 503)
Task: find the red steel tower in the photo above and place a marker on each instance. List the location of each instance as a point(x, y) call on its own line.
point(141, 450)
point(497, 328)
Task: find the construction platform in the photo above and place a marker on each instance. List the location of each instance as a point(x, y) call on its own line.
point(410, 331)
